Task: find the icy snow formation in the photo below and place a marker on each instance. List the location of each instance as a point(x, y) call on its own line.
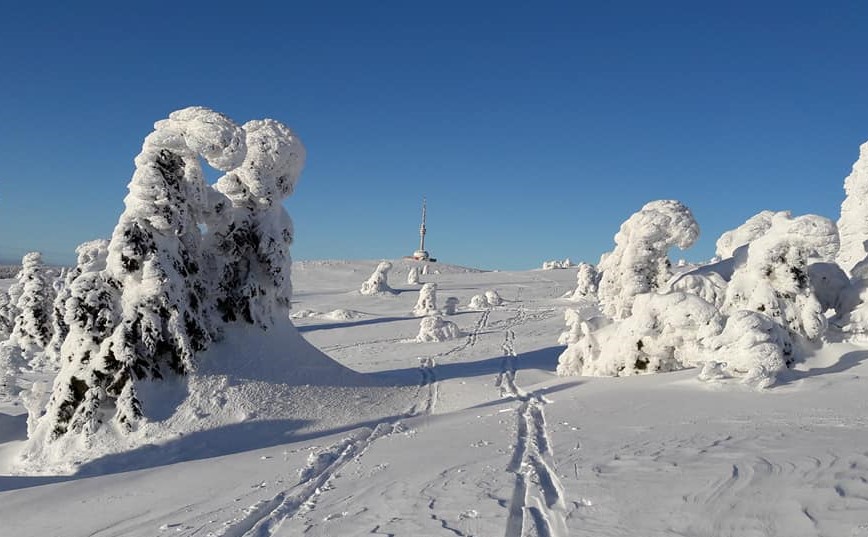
point(378, 283)
point(853, 222)
point(478, 302)
point(493, 298)
point(771, 274)
point(709, 286)
point(427, 301)
point(556, 264)
point(436, 328)
point(138, 308)
point(754, 227)
point(639, 263)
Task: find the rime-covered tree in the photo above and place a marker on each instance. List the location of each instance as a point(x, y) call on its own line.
point(32, 329)
point(7, 315)
point(587, 281)
point(853, 222)
point(144, 315)
point(640, 263)
point(426, 304)
point(378, 283)
point(771, 274)
point(413, 276)
point(253, 242)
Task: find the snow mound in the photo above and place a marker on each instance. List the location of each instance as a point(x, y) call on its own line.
point(271, 384)
point(436, 328)
point(343, 315)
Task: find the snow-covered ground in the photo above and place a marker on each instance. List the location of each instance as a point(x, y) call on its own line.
point(475, 436)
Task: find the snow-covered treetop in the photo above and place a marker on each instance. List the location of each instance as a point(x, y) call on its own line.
point(754, 227)
point(31, 261)
point(91, 255)
point(659, 225)
point(853, 223)
point(815, 236)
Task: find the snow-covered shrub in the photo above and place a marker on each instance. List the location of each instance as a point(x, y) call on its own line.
point(853, 222)
point(771, 274)
point(708, 285)
point(413, 276)
point(427, 301)
point(640, 263)
point(754, 227)
point(587, 281)
point(493, 298)
point(378, 283)
point(751, 346)
point(436, 328)
point(451, 307)
point(556, 264)
point(664, 333)
point(478, 302)
point(252, 235)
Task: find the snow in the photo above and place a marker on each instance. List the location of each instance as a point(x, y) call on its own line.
point(478, 437)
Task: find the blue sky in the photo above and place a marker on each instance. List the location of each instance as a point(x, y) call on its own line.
point(534, 129)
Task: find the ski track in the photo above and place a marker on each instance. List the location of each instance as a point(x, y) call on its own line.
point(537, 507)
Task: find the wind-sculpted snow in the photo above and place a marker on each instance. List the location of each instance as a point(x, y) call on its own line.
point(853, 222)
point(708, 286)
point(587, 282)
point(640, 263)
point(436, 328)
point(754, 227)
point(427, 301)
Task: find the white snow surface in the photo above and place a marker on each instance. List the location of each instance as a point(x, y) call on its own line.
point(477, 437)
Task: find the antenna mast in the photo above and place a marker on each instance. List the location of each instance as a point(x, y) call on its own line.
point(422, 228)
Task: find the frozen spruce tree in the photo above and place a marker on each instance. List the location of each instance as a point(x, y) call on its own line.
point(853, 222)
point(90, 255)
point(640, 263)
point(413, 276)
point(378, 283)
point(252, 241)
point(427, 301)
point(587, 280)
point(7, 315)
point(32, 329)
point(145, 315)
point(771, 274)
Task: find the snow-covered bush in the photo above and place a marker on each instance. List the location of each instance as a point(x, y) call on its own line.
point(640, 263)
point(427, 301)
point(664, 333)
point(478, 302)
point(378, 283)
point(751, 346)
point(451, 307)
point(771, 274)
point(493, 298)
point(587, 281)
point(436, 328)
point(708, 285)
point(853, 222)
point(556, 264)
point(829, 283)
point(413, 276)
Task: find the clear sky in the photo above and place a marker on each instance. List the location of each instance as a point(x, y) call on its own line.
point(533, 128)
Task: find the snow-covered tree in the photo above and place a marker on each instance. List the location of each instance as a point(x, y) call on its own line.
point(378, 283)
point(436, 328)
point(664, 333)
point(587, 281)
point(853, 222)
point(754, 227)
point(145, 314)
point(640, 263)
point(830, 283)
point(493, 298)
point(7, 315)
point(32, 329)
point(413, 276)
point(478, 302)
point(252, 243)
point(90, 254)
point(426, 304)
point(771, 274)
